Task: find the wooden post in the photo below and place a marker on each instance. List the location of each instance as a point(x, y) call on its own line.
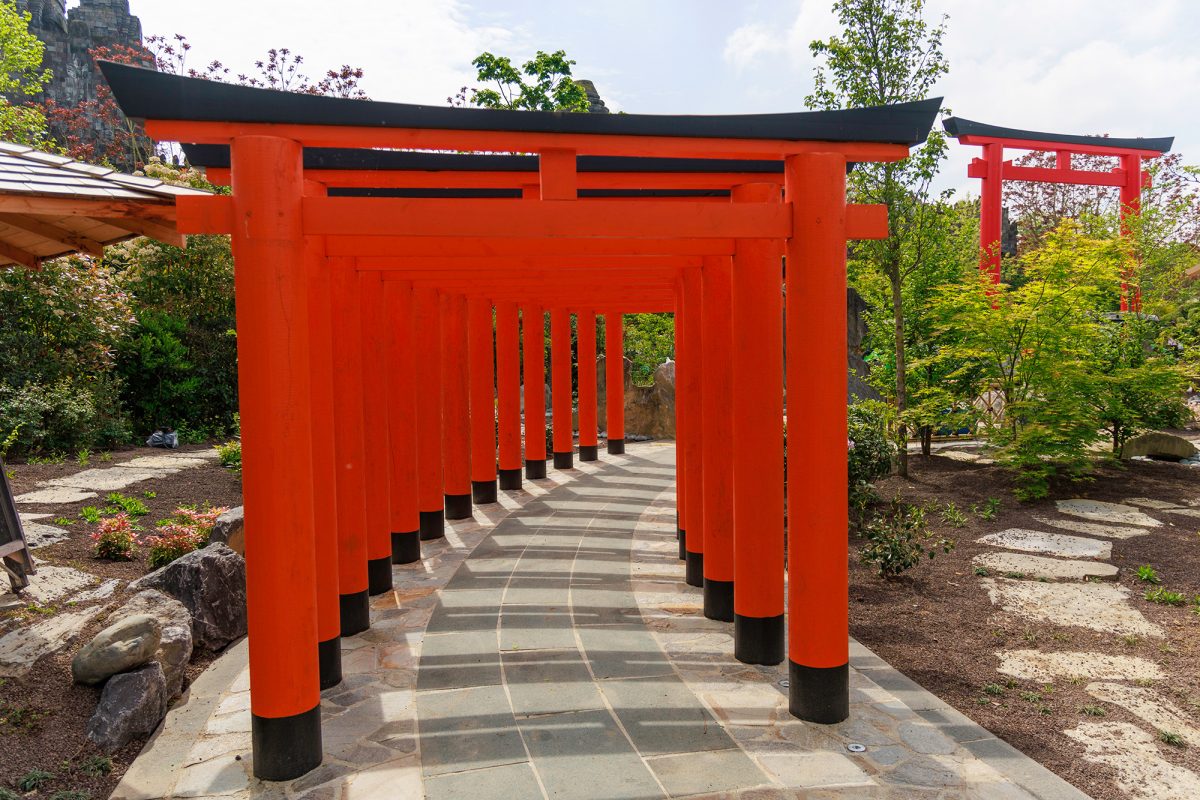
point(614, 381)
point(483, 400)
point(508, 392)
point(401, 369)
point(427, 314)
point(688, 393)
point(681, 423)
point(456, 408)
point(589, 440)
point(533, 331)
point(560, 388)
point(717, 445)
point(374, 363)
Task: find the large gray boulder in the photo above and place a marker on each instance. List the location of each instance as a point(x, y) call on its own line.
point(650, 410)
point(1159, 445)
point(175, 648)
point(131, 706)
point(230, 529)
point(211, 583)
point(121, 646)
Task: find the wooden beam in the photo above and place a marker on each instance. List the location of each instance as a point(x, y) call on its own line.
point(1013, 172)
point(82, 207)
point(54, 233)
point(159, 230)
point(20, 256)
point(464, 246)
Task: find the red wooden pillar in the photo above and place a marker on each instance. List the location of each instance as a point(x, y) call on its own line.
point(456, 408)
point(483, 400)
point(349, 445)
point(533, 331)
point(614, 381)
point(378, 486)
point(757, 340)
point(508, 393)
point(329, 626)
point(689, 394)
point(427, 316)
point(589, 439)
point(680, 424)
point(400, 370)
point(991, 211)
point(560, 388)
point(818, 579)
point(717, 443)
point(277, 473)
point(1131, 204)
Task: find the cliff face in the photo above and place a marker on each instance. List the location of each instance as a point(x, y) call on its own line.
point(69, 37)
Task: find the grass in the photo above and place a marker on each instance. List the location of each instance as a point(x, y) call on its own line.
point(104, 457)
point(66, 522)
point(1093, 711)
point(83, 457)
point(54, 459)
point(982, 572)
point(1031, 697)
point(993, 689)
point(22, 718)
point(1173, 739)
point(96, 766)
point(1165, 597)
point(71, 794)
point(1148, 574)
point(988, 509)
point(1015, 575)
point(31, 781)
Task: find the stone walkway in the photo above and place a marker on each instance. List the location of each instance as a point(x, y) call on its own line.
point(549, 649)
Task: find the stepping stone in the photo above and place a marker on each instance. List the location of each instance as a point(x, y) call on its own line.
point(54, 495)
point(39, 535)
point(1099, 607)
point(19, 649)
point(1055, 544)
point(105, 480)
point(1093, 528)
point(1034, 665)
point(1148, 705)
point(1041, 567)
point(1149, 502)
point(1142, 772)
point(51, 583)
point(101, 592)
point(27, 518)
point(1187, 512)
point(1100, 511)
point(173, 463)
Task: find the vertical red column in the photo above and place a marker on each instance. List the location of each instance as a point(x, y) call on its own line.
point(483, 400)
point(818, 579)
point(680, 424)
point(589, 426)
point(274, 385)
point(533, 331)
point(1131, 205)
point(717, 406)
point(757, 298)
point(400, 371)
point(456, 408)
point(375, 415)
point(324, 476)
point(508, 393)
point(427, 320)
point(614, 381)
point(349, 444)
point(991, 210)
point(560, 388)
point(689, 395)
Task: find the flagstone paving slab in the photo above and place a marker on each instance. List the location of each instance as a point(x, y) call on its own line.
point(496, 783)
point(1035, 665)
point(1100, 511)
point(1149, 705)
point(54, 495)
point(1142, 772)
point(1054, 569)
point(1100, 607)
point(1092, 528)
point(38, 534)
point(21, 647)
point(1055, 544)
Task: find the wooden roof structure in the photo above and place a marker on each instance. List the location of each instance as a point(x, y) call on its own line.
point(52, 206)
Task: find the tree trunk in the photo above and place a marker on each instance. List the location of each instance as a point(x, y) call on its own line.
point(926, 440)
point(901, 370)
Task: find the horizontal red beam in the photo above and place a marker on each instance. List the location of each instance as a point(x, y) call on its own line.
point(463, 246)
point(491, 265)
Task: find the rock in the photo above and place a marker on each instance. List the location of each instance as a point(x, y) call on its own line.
point(1092, 528)
point(131, 706)
point(175, 648)
point(1101, 511)
point(1150, 706)
point(1055, 544)
point(1165, 446)
point(229, 529)
point(211, 584)
point(38, 534)
point(121, 646)
point(1141, 773)
point(54, 583)
point(1096, 606)
point(1034, 665)
point(1055, 569)
point(650, 410)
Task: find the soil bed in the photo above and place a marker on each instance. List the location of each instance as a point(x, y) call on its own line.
point(937, 625)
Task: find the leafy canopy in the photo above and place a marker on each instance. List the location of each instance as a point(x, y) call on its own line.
point(21, 75)
point(551, 89)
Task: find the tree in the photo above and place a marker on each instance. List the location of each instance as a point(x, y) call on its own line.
point(887, 53)
point(551, 90)
point(21, 76)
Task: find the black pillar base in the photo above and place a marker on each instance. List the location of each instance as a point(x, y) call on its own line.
point(535, 469)
point(483, 492)
point(329, 659)
point(458, 506)
point(694, 569)
point(589, 452)
point(406, 547)
point(682, 535)
point(564, 460)
point(286, 747)
point(433, 525)
point(510, 479)
point(718, 600)
point(616, 447)
point(758, 640)
point(379, 575)
point(819, 694)
point(355, 612)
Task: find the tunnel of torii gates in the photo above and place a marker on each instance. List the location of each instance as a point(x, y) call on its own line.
point(372, 249)
point(993, 171)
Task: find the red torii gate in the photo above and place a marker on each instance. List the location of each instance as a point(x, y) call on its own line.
point(993, 170)
point(365, 281)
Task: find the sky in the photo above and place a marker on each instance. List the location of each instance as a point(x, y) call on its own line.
point(1068, 66)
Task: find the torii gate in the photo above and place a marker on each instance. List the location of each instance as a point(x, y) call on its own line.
point(365, 283)
point(993, 170)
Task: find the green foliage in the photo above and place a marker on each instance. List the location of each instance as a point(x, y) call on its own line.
point(1093, 711)
point(96, 766)
point(130, 505)
point(551, 89)
point(988, 509)
point(870, 453)
point(90, 514)
point(71, 794)
point(1148, 574)
point(1173, 739)
point(83, 457)
point(230, 455)
point(952, 516)
point(1165, 597)
point(33, 780)
point(993, 689)
point(8, 794)
point(21, 76)
point(649, 341)
point(898, 540)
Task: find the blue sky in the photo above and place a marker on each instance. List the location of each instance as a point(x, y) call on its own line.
point(1074, 66)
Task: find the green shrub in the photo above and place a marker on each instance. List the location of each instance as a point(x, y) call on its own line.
point(61, 416)
point(33, 779)
point(130, 505)
point(115, 539)
point(898, 540)
point(870, 451)
point(179, 535)
point(230, 455)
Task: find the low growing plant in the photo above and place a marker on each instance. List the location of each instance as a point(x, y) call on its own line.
point(116, 539)
point(187, 530)
point(32, 780)
point(1165, 597)
point(952, 516)
point(130, 505)
point(898, 540)
point(230, 455)
point(1147, 574)
point(90, 514)
point(83, 457)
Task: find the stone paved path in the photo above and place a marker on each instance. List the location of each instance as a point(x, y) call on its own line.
point(549, 649)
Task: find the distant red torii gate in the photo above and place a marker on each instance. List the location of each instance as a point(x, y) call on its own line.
point(993, 170)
